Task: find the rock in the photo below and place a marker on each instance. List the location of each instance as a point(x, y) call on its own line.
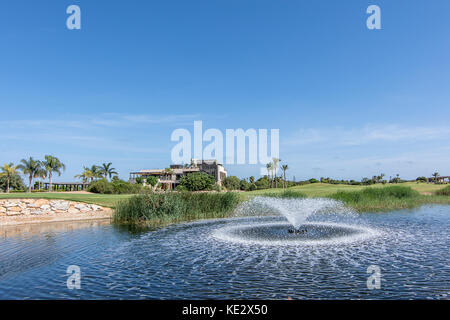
point(60, 205)
point(45, 207)
point(73, 210)
point(11, 203)
point(2, 209)
point(12, 213)
point(95, 207)
point(14, 209)
point(82, 207)
point(41, 202)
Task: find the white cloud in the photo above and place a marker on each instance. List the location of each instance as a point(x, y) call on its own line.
point(367, 134)
point(100, 121)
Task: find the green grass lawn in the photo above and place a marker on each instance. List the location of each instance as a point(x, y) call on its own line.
point(315, 190)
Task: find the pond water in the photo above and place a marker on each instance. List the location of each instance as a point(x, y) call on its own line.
point(239, 258)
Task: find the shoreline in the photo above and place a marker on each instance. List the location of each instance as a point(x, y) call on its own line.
point(88, 216)
point(33, 211)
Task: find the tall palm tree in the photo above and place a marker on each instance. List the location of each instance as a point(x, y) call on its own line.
point(8, 170)
point(106, 170)
point(32, 168)
point(275, 161)
point(52, 164)
point(269, 167)
point(284, 167)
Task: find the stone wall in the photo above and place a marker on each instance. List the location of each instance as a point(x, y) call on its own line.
point(40, 207)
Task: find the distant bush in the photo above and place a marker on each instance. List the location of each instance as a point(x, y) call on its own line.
point(443, 192)
point(262, 183)
point(15, 183)
point(101, 186)
point(198, 181)
point(244, 185)
point(232, 183)
point(181, 188)
point(313, 180)
point(139, 180)
point(115, 187)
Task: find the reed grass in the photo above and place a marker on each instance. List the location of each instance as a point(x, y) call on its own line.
point(165, 208)
point(443, 192)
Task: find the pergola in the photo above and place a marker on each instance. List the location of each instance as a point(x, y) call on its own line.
point(67, 186)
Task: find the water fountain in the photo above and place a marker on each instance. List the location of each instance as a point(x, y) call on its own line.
point(288, 223)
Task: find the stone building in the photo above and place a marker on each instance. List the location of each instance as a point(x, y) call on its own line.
point(169, 178)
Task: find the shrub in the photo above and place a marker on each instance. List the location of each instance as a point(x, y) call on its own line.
point(123, 187)
point(262, 183)
point(15, 183)
point(152, 181)
point(197, 181)
point(244, 185)
point(101, 186)
point(252, 187)
point(443, 192)
point(313, 180)
point(181, 188)
point(139, 180)
point(114, 187)
point(232, 183)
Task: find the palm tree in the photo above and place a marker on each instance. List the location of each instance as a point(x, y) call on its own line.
point(269, 167)
point(435, 175)
point(33, 168)
point(276, 161)
point(89, 174)
point(8, 170)
point(284, 167)
point(52, 164)
point(106, 170)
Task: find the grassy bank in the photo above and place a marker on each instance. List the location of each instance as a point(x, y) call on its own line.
point(387, 199)
point(314, 190)
point(370, 199)
point(164, 208)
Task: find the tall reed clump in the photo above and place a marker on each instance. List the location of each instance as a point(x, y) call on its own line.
point(164, 208)
point(381, 198)
point(443, 192)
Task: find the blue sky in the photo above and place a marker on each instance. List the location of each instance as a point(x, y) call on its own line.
point(349, 102)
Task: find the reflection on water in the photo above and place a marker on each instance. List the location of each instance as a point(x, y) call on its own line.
point(191, 261)
point(36, 229)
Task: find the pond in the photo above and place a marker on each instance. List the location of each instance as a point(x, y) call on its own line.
point(238, 258)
